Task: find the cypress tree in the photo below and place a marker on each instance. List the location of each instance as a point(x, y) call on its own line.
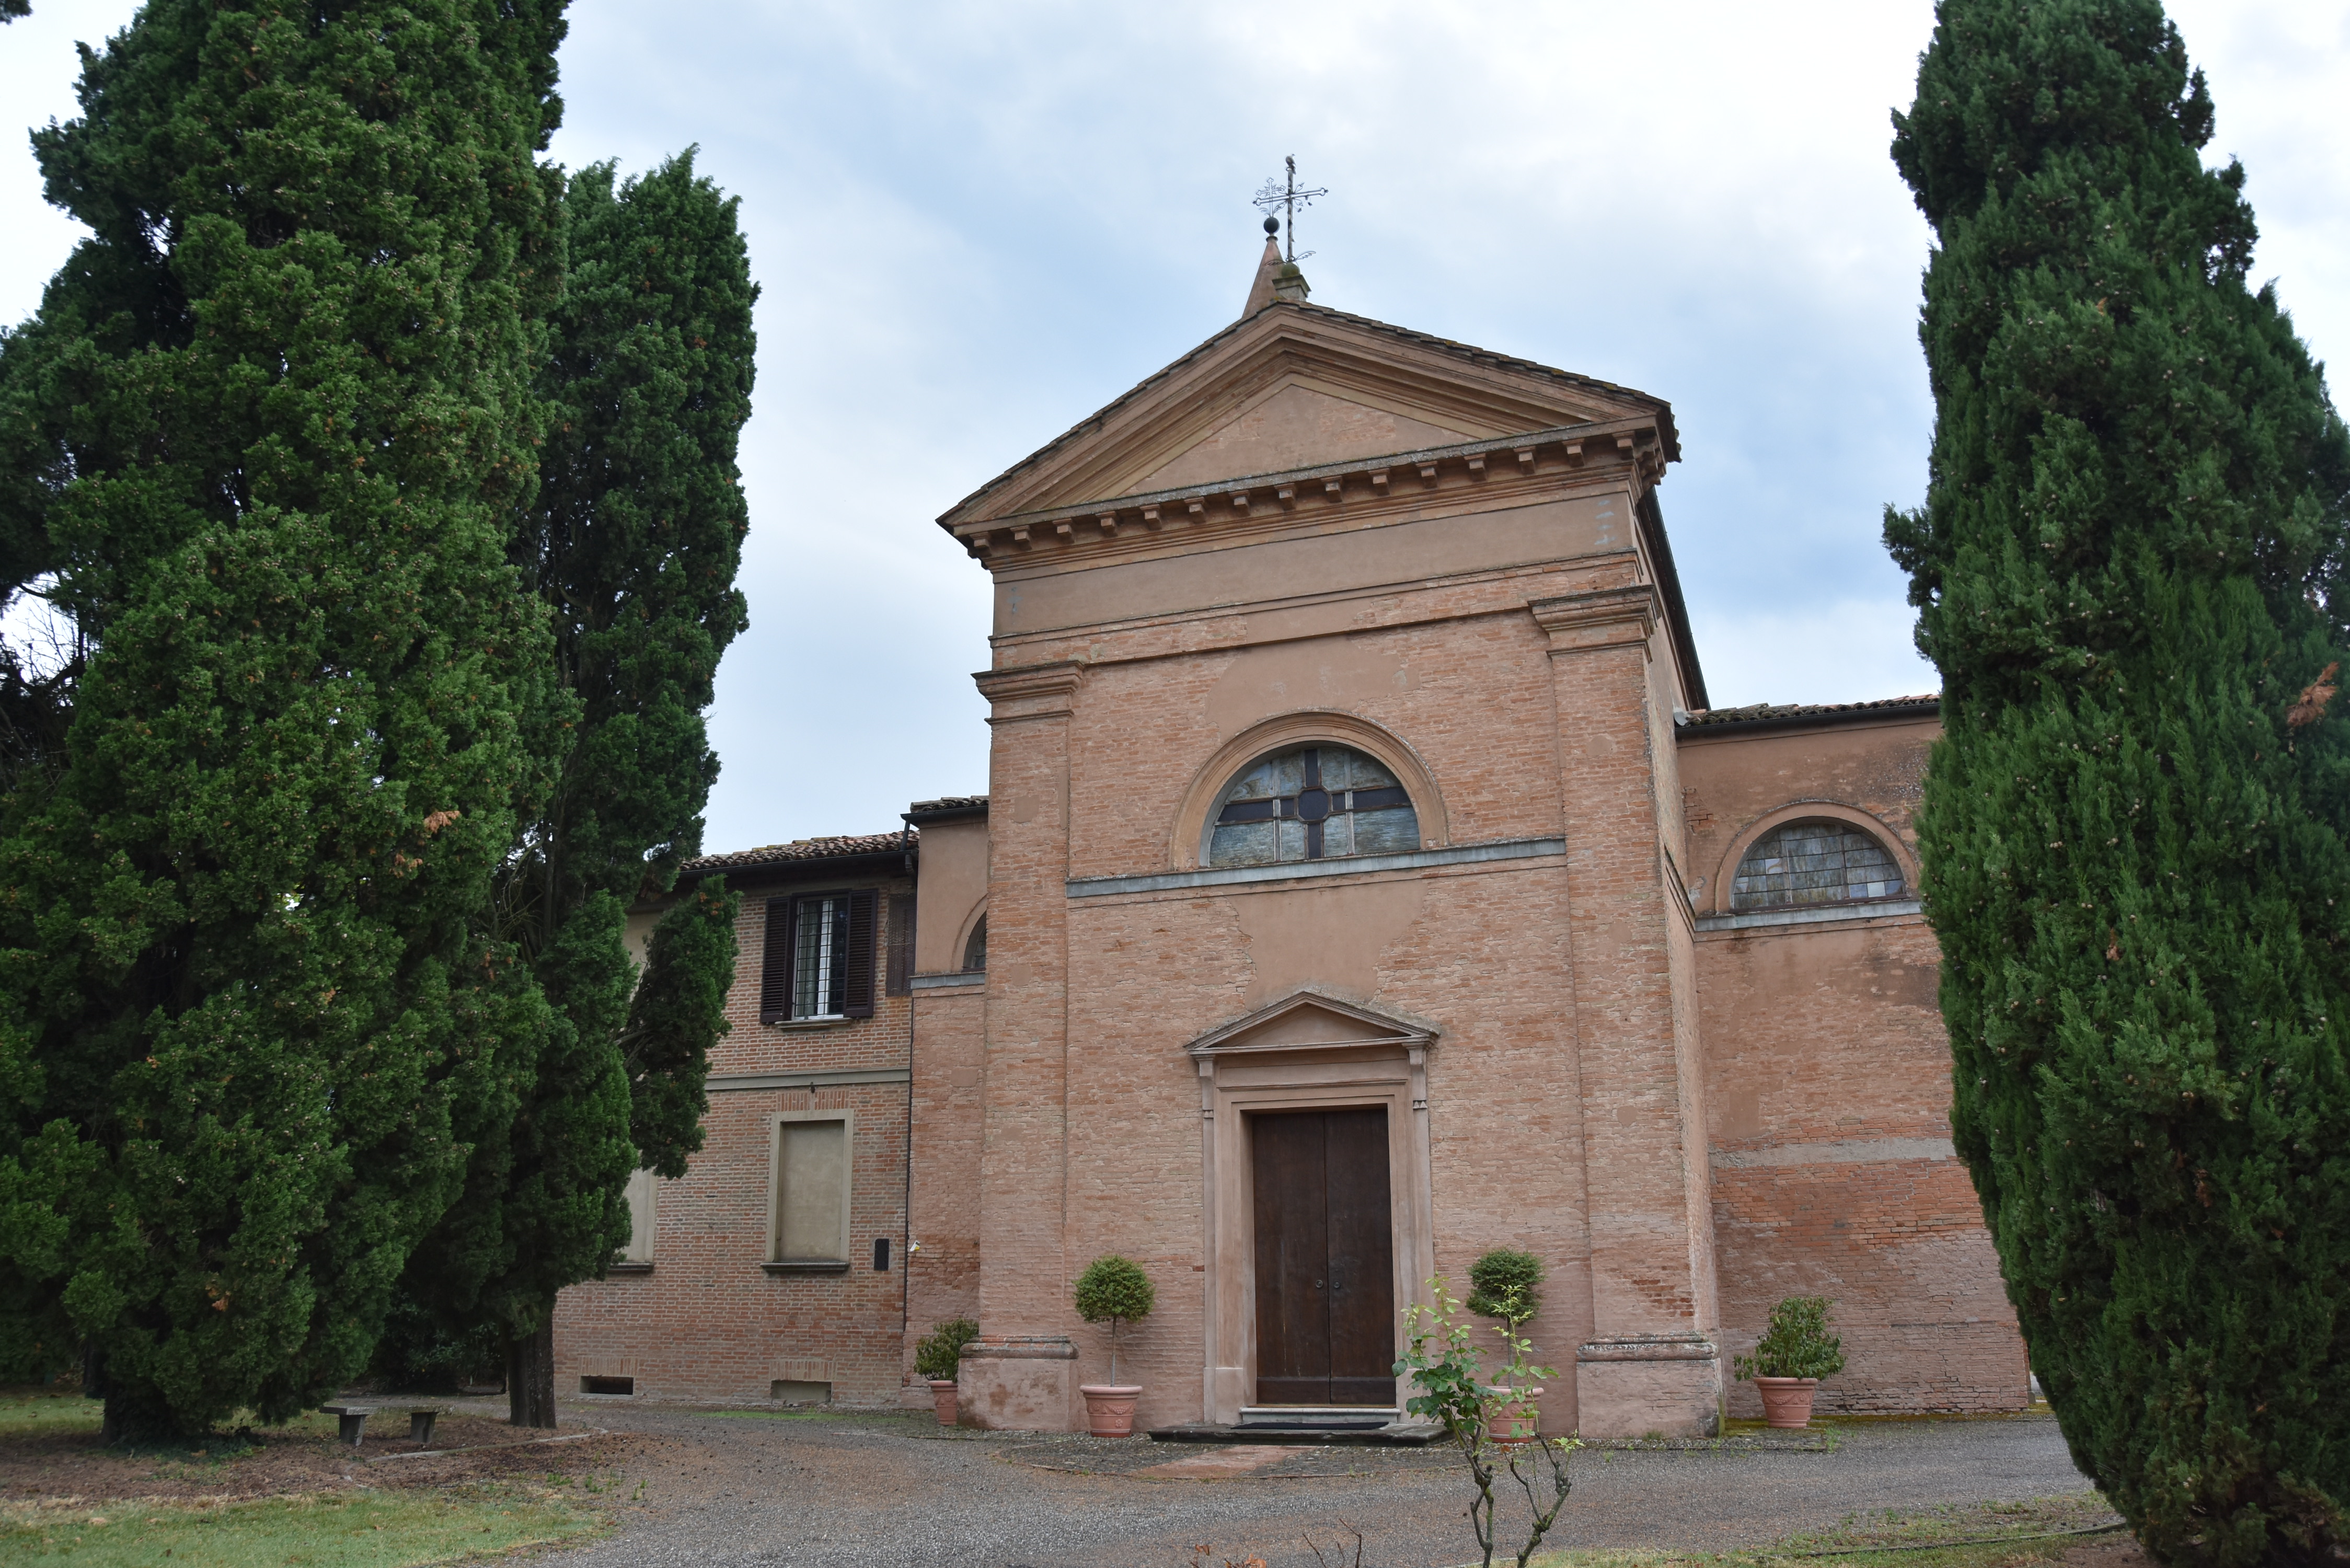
point(2128, 570)
point(269, 432)
point(632, 542)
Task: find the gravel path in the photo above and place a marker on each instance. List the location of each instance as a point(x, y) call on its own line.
point(712, 1490)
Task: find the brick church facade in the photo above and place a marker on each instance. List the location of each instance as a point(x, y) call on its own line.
point(1363, 883)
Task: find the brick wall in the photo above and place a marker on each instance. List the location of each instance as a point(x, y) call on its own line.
point(949, 1043)
point(707, 1322)
point(1828, 1082)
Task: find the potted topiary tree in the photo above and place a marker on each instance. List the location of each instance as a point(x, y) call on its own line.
point(937, 1357)
point(1113, 1290)
point(1794, 1352)
point(1506, 1283)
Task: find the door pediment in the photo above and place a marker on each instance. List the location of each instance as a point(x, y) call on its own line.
point(1309, 1021)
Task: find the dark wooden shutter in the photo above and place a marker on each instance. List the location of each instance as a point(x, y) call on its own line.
point(900, 974)
point(775, 969)
point(858, 988)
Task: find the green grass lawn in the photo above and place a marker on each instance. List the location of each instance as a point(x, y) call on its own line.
point(39, 1413)
point(1977, 1536)
point(373, 1530)
point(28, 1411)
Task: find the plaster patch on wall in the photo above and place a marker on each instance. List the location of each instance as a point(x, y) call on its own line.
point(1852, 1151)
point(1905, 984)
point(1320, 672)
point(1332, 938)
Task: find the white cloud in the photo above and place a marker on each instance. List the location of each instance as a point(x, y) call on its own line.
point(1844, 650)
point(976, 225)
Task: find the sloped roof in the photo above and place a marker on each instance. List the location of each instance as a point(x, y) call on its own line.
point(946, 803)
point(1481, 357)
point(1778, 714)
point(844, 846)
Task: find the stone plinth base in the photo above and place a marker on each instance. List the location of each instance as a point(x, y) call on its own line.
point(1017, 1383)
point(1669, 1384)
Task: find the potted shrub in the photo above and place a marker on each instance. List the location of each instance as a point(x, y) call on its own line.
point(1113, 1290)
point(1793, 1356)
point(1506, 1283)
point(937, 1357)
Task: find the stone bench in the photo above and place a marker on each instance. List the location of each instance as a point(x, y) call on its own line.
point(353, 1420)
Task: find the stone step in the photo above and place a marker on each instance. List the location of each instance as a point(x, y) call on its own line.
point(1399, 1434)
point(1320, 1418)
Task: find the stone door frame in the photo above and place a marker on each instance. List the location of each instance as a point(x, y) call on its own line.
point(1255, 1065)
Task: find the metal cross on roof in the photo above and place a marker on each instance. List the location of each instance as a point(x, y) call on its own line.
point(1284, 195)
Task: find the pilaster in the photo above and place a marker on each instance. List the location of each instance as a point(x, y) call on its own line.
point(1018, 1374)
point(1651, 1365)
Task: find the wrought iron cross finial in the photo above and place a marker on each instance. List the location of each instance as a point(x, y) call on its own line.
point(1284, 195)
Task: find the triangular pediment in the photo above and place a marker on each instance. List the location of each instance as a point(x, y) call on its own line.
point(1310, 1020)
point(1296, 386)
point(1297, 425)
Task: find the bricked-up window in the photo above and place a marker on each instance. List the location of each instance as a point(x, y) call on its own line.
point(811, 1214)
point(641, 1187)
point(819, 958)
point(1807, 863)
point(1313, 803)
point(898, 971)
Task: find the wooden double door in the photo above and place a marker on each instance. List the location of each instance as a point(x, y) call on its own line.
point(1325, 1304)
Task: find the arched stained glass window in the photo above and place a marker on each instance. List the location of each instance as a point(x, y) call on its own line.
point(1313, 803)
point(1816, 862)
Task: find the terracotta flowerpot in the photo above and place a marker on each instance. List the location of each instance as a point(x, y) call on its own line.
point(942, 1399)
point(1109, 1407)
point(1512, 1415)
point(1787, 1401)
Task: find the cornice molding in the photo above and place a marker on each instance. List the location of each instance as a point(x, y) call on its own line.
point(1038, 691)
point(1601, 618)
point(1628, 452)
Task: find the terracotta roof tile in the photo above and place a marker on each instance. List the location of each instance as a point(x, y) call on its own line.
point(800, 850)
point(948, 803)
point(1792, 712)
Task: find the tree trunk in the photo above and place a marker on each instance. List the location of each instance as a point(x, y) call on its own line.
point(530, 1373)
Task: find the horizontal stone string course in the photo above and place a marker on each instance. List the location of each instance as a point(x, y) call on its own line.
point(1290, 871)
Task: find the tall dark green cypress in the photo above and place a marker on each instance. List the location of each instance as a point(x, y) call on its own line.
point(632, 541)
point(2130, 571)
point(269, 432)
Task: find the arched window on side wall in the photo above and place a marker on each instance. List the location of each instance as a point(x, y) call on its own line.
point(1822, 861)
point(975, 952)
point(1312, 803)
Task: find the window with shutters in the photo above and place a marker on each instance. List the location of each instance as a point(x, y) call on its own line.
point(1312, 803)
point(809, 1232)
point(819, 959)
point(1803, 864)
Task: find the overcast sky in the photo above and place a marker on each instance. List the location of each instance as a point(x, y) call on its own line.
point(976, 224)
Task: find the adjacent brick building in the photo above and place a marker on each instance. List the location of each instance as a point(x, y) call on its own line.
point(1363, 883)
